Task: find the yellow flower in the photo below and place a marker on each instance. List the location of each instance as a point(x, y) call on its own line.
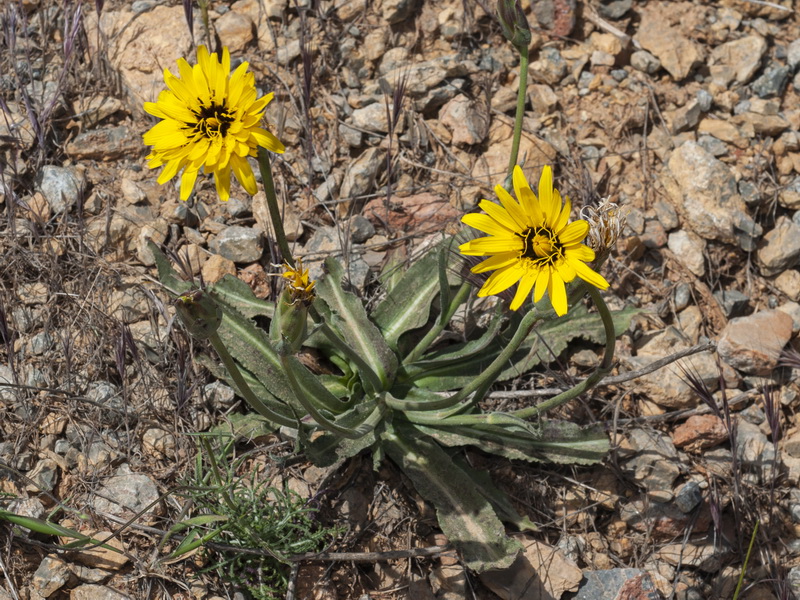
point(211, 121)
point(531, 241)
point(299, 284)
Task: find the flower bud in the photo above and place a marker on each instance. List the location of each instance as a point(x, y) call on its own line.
point(514, 23)
point(288, 329)
point(199, 313)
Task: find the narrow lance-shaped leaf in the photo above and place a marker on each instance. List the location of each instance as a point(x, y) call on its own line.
point(407, 305)
point(350, 318)
point(558, 442)
point(235, 293)
point(465, 515)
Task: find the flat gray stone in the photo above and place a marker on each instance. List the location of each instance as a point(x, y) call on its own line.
point(61, 186)
point(239, 244)
point(127, 493)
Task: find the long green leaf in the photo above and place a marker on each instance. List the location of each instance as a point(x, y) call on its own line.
point(166, 274)
point(449, 369)
point(465, 515)
point(407, 306)
point(235, 293)
point(251, 348)
point(558, 442)
point(351, 320)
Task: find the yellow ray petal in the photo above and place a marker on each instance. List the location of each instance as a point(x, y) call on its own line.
point(579, 252)
point(542, 281)
point(588, 275)
point(496, 262)
point(564, 269)
point(486, 224)
point(558, 295)
point(222, 181)
point(574, 232)
point(513, 209)
point(494, 245)
point(563, 218)
point(501, 280)
point(187, 182)
point(499, 214)
point(525, 195)
point(244, 173)
point(265, 139)
point(547, 199)
point(523, 289)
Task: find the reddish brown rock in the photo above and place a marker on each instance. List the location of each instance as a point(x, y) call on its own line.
point(420, 213)
point(698, 432)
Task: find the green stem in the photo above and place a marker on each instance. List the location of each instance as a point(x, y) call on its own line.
point(494, 369)
point(204, 13)
point(521, 96)
point(594, 378)
point(439, 326)
point(243, 388)
point(272, 202)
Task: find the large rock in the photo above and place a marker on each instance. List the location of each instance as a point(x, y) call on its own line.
point(707, 195)
point(677, 53)
point(141, 45)
point(780, 249)
point(753, 344)
point(467, 120)
point(743, 56)
point(127, 494)
point(653, 463)
point(667, 387)
point(239, 244)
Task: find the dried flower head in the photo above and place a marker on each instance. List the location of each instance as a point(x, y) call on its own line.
point(211, 121)
point(606, 222)
point(531, 241)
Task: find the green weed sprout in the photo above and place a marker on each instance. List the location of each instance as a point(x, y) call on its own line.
point(254, 528)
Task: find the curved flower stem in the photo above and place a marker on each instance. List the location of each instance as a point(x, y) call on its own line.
point(521, 93)
point(493, 370)
point(272, 202)
point(244, 389)
point(439, 326)
point(594, 378)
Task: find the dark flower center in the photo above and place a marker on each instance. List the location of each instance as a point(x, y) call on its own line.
point(213, 120)
point(541, 244)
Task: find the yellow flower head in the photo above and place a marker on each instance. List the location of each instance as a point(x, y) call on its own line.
point(211, 121)
point(298, 282)
point(531, 241)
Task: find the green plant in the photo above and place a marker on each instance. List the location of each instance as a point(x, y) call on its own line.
point(255, 527)
point(399, 392)
point(394, 391)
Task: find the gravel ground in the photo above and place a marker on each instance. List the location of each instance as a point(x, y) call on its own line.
point(686, 114)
